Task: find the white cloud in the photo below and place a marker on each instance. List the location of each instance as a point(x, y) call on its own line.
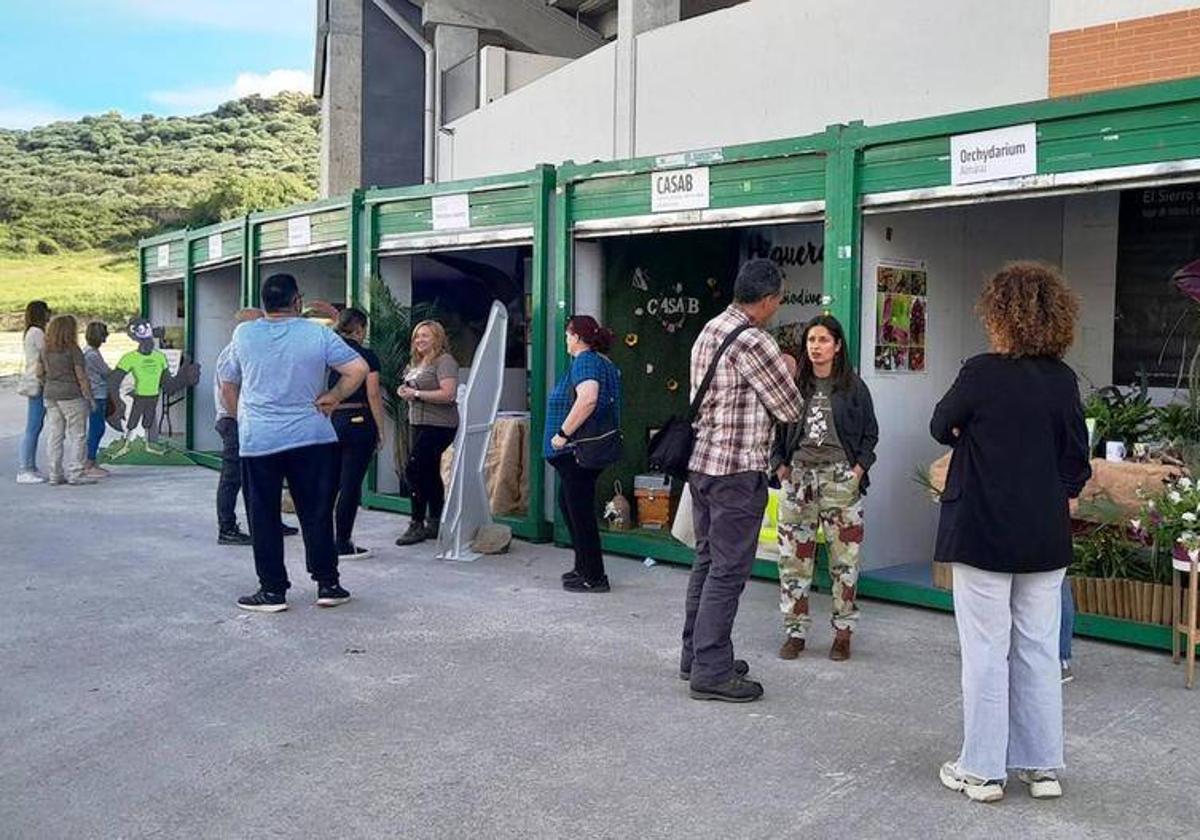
point(279, 17)
point(206, 97)
point(19, 111)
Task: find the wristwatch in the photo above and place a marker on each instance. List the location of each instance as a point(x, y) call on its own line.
point(562, 434)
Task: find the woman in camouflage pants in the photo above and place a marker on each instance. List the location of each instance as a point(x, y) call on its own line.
point(822, 465)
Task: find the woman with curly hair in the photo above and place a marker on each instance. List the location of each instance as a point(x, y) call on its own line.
point(1014, 419)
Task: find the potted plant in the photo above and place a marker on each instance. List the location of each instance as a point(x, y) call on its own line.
point(1124, 416)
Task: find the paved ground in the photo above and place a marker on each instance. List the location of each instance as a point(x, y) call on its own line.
point(481, 700)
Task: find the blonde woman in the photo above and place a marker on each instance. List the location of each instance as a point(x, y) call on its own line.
point(68, 397)
point(431, 390)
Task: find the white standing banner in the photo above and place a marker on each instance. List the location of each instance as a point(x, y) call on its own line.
point(451, 212)
point(299, 232)
point(216, 246)
point(467, 505)
point(679, 189)
point(991, 155)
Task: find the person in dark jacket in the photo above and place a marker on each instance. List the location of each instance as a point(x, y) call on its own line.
point(822, 465)
point(1014, 419)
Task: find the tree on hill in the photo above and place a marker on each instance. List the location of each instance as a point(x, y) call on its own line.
point(105, 181)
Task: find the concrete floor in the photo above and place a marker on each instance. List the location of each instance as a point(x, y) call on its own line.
point(482, 701)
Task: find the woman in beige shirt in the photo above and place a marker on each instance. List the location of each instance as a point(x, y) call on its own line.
point(68, 397)
point(431, 390)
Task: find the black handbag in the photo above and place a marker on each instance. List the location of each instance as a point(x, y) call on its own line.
point(598, 444)
point(670, 449)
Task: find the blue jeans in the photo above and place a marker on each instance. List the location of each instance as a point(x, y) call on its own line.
point(1066, 627)
point(35, 418)
point(96, 427)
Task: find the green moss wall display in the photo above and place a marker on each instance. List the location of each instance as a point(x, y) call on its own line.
point(658, 292)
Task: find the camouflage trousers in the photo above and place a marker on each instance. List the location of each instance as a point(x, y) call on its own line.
point(825, 496)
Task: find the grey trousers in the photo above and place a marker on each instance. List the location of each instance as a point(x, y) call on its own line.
point(728, 513)
point(144, 409)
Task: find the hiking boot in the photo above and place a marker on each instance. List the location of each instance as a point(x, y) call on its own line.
point(30, 477)
point(56, 481)
point(582, 584)
point(263, 601)
point(840, 651)
point(791, 648)
point(96, 472)
point(975, 788)
point(288, 530)
point(331, 596)
point(740, 669)
point(734, 690)
point(234, 536)
point(416, 533)
point(432, 530)
point(353, 552)
point(1043, 784)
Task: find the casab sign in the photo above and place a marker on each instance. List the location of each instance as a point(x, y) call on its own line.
point(679, 189)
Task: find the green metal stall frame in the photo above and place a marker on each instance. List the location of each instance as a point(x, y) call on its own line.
point(303, 231)
point(774, 182)
point(1134, 137)
point(504, 210)
point(214, 246)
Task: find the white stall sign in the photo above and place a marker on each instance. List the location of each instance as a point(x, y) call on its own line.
point(679, 189)
point(164, 256)
point(299, 232)
point(990, 155)
point(216, 246)
point(451, 212)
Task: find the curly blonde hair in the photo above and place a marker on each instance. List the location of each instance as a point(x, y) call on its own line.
point(1028, 310)
point(440, 342)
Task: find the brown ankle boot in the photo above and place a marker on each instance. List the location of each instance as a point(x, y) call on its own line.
point(840, 651)
point(791, 648)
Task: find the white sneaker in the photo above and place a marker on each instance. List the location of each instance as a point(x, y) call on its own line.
point(1043, 784)
point(976, 789)
point(1067, 674)
point(356, 552)
point(30, 477)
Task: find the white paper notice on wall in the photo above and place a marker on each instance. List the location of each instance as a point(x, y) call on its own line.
point(991, 155)
point(679, 189)
point(163, 256)
point(216, 246)
point(451, 212)
point(299, 231)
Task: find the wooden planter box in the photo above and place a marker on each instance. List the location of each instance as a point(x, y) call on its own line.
point(1148, 603)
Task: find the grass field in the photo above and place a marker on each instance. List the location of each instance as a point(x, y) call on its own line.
point(88, 284)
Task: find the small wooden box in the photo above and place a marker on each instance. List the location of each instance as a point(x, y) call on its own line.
point(653, 508)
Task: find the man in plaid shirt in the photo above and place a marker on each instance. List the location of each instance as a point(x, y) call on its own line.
point(752, 390)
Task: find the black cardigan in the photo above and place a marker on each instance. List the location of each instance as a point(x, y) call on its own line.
point(854, 420)
point(1022, 454)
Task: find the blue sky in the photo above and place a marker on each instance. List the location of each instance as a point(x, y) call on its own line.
point(61, 59)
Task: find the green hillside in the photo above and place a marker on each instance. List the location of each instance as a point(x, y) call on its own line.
point(76, 196)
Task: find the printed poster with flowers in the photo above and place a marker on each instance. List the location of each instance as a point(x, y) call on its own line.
point(901, 312)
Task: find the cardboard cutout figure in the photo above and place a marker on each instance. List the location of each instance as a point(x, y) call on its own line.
point(152, 379)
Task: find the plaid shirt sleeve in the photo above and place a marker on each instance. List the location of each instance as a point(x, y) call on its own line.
point(761, 363)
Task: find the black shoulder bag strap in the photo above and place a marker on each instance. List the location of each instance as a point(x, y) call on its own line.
point(694, 408)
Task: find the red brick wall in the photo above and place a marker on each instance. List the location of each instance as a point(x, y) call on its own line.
point(1131, 52)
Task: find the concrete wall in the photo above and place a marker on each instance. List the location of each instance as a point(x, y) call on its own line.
point(1076, 14)
point(567, 114)
point(962, 247)
point(218, 296)
point(761, 70)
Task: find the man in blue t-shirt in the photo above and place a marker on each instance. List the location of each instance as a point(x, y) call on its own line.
point(273, 384)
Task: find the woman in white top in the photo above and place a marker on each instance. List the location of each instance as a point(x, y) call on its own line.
point(37, 315)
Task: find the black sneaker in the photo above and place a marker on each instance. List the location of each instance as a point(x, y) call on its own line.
point(431, 531)
point(416, 533)
point(331, 596)
point(582, 584)
point(740, 669)
point(353, 552)
point(263, 601)
point(235, 537)
point(288, 530)
point(735, 690)
point(571, 575)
